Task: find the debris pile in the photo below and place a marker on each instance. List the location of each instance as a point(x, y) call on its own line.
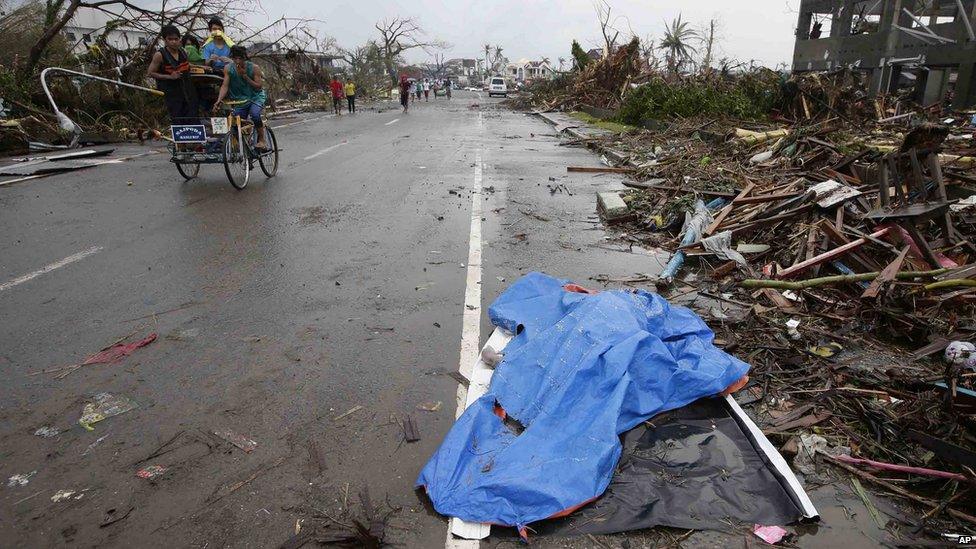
point(831, 246)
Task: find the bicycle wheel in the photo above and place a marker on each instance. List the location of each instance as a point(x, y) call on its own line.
point(189, 170)
point(236, 163)
point(269, 159)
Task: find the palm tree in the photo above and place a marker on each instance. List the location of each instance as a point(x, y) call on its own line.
point(487, 63)
point(676, 43)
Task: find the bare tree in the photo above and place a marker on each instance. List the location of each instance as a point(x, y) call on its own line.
point(398, 35)
point(439, 65)
point(604, 13)
point(707, 36)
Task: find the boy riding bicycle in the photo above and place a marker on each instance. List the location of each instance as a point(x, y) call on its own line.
point(244, 87)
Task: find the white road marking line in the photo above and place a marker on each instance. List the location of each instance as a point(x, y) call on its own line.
point(302, 121)
point(325, 150)
point(470, 331)
point(53, 266)
point(391, 122)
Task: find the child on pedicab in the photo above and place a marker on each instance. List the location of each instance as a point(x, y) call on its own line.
point(244, 86)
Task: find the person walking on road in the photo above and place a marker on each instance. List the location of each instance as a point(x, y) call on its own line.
point(337, 91)
point(447, 88)
point(404, 92)
point(426, 90)
point(351, 95)
point(419, 88)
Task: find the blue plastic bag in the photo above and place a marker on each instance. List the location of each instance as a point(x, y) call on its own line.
point(583, 369)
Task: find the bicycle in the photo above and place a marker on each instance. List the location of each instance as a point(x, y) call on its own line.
point(236, 150)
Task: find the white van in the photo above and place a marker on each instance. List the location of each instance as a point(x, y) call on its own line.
point(497, 87)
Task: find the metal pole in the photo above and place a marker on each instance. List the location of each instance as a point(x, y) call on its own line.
point(66, 123)
point(927, 29)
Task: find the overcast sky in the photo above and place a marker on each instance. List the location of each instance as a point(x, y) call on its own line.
point(749, 29)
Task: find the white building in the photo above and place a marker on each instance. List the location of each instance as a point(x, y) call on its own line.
point(525, 70)
point(88, 24)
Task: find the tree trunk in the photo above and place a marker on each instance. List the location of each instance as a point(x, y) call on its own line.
point(39, 47)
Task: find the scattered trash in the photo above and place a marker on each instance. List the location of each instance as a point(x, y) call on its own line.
point(430, 406)
point(112, 516)
point(242, 442)
point(47, 432)
point(93, 445)
point(825, 351)
point(791, 328)
point(104, 406)
point(352, 410)
point(958, 352)
point(410, 432)
point(112, 353)
point(770, 534)
point(151, 471)
point(20, 480)
point(62, 495)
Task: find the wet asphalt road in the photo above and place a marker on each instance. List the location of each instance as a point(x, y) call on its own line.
point(337, 285)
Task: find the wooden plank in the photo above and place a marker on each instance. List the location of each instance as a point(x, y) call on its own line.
point(829, 255)
point(883, 191)
point(833, 234)
point(917, 177)
point(765, 198)
point(778, 299)
point(776, 218)
point(410, 432)
point(600, 169)
point(887, 275)
point(728, 209)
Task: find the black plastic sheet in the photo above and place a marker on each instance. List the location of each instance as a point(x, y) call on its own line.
point(696, 468)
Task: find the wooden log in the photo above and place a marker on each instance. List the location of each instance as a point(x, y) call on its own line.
point(835, 279)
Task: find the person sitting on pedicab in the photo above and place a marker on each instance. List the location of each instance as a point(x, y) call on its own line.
point(244, 86)
point(171, 69)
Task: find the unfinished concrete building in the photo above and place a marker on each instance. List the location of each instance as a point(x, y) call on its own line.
point(926, 44)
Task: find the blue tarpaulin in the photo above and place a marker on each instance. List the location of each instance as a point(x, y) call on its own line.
point(583, 369)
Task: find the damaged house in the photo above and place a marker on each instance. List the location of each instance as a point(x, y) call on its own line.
point(893, 43)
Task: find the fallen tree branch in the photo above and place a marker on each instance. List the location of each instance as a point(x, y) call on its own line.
point(824, 280)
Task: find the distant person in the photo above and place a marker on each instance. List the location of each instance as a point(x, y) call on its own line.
point(244, 86)
point(447, 88)
point(336, 87)
point(216, 50)
point(419, 88)
point(351, 95)
point(171, 69)
point(404, 93)
point(426, 90)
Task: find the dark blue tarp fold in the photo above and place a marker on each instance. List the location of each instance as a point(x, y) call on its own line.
point(582, 370)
